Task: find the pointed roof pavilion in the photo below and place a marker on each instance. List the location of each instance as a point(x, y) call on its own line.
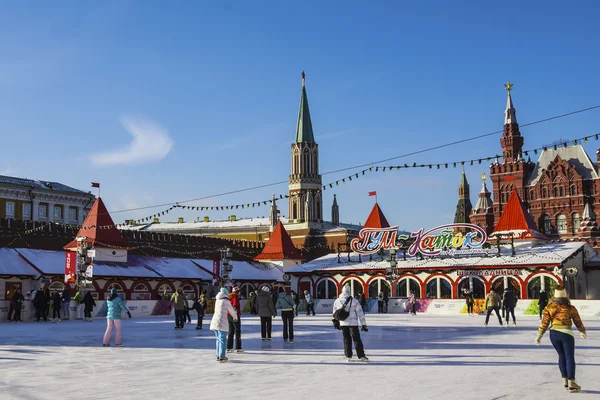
point(304, 131)
point(99, 229)
point(376, 219)
point(279, 246)
point(517, 221)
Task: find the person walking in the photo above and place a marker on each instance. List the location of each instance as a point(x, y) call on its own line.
point(380, 303)
point(16, 302)
point(492, 303)
point(296, 300)
point(88, 306)
point(78, 298)
point(350, 326)
point(200, 305)
point(66, 303)
point(186, 310)
point(285, 303)
point(509, 302)
point(116, 305)
point(57, 303)
point(252, 300)
point(362, 301)
point(178, 300)
point(560, 315)
point(266, 312)
point(386, 299)
point(9, 296)
point(412, 303)
point(542, 302)
point(40, 302)
point(310, 306)
point(50, 307)
point(470, 301)
point(219, 323)
point(235, 326)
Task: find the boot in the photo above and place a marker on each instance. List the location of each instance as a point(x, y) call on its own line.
point(566, 383)
point(573, 386)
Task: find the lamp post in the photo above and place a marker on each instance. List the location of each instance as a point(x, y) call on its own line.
point(226, 268)
point(391, 271)
point(82, 248)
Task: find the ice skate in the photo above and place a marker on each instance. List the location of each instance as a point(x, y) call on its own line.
point(239, 351)
point(224, 360)
point(291, 340)
point(105, 345)
point(514, 324)
point(230, 350)
point(573, 386)
point(364, 359)
point(118, 345)
point(349, 359)
point(566, 383)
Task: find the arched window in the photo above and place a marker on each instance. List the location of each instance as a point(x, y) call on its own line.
point(547, 224)
point(536, 284)
point(327, 289)
point(513, 284)
point(306, 162)
point(56, 287)
point(165, 289)
point(407, 285)
point(555, 190)
point(576, 222)
point(478, 287)
point(438, 288)
point(189, 291)
point(531, 195)
point(561, 190)
point(561, 224)
point(245, 290)
point(141, 291)
point(377, 286)
point(120, 291)
point(544, 193)
point(316, 158)
point(573, 190)
point(356, 286)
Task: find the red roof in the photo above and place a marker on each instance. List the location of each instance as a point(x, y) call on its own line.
point(279, 246)
point(376, 219)
point(517, 220)
point(100, 229)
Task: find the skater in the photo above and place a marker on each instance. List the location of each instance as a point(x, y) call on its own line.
point(309, 303)
point(561, 315)
point(50, 307)
point(252, 300)
point(113, 318)
point(235, 327)
point(469, 301)
point(16, 302)
point(285, 302)
point(380, 303)
point(266, 312)
point(412, 303)
point(350, 325)
point(66, 303)
point(542, 302)
point(57, 303)
point(78, 298)
point(362, 301)
point(88, 306)
point(509, 302)
point(186, 310)
point(40, 302)
point(219, 323)
point(492, 303)
point(178, 300)
point(200, 305)
point(296, 300)
point(386, 298)
point(9, 296)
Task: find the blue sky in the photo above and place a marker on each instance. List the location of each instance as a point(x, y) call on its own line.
point(162, 103)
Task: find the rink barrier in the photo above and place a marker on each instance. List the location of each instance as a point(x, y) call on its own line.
point(162, 308)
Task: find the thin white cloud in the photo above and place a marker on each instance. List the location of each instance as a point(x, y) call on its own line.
point(150, 143)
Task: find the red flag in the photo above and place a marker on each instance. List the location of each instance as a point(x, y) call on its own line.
point(372, 193)
point(95, 185)
point(70, 266)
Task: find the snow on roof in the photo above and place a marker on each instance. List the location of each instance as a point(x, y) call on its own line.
point(180, 268)
point(547, 254)
point(243, 270)
point(573, 155)
point(200, 225)
point(12, 264)
point(37, 184)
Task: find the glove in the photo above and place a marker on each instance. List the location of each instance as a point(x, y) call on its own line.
point(365, 328)
point(538, 340)
point(129, 314)
point(583, 335)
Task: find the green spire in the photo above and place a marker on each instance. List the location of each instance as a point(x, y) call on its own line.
point(463, 179)
point(304, 131)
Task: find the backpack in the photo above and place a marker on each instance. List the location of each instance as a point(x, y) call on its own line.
point(341, 314)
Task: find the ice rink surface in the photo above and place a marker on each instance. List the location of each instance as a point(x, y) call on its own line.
point(422, 357)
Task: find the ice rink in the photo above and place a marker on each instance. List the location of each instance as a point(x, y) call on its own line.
point(422, 357)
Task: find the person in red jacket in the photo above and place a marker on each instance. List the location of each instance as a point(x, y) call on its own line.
point(235, 326)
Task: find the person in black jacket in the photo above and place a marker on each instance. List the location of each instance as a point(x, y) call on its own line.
point(200, 305)
point(88, 306)
point(17, 304)
point(296, 302)
point(66, 303)
point(386, 299)
point(542, 302)
point(186, 310)
point(252, 300)
point(509, 301)
point(469, 300)
point(40, 303)
point(57, 301)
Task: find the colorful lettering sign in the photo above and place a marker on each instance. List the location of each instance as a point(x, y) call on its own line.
point(70, 266)
point(443, 239)
point(371, 240)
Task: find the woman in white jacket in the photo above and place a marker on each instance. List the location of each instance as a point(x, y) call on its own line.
point(219, 322)
point(350, 326)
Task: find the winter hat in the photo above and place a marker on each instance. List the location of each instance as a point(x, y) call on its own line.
point(224, 291)
point(113, 291)
point(265, 289)
point(560, 292)
point(235, 289)
point(346, 289)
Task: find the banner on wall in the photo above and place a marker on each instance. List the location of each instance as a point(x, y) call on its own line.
point(216, 271)
point(70, 266)
point(488, 272)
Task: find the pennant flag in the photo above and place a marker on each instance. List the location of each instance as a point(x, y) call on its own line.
point(372, 193)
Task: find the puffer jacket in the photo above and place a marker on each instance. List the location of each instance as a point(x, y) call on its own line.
point(285, 302)
point(357, 316)
point(492, 300)
point(222, 308)
point(264, 304)
point(115, 306)
point(560, 315)
point(179, 300)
